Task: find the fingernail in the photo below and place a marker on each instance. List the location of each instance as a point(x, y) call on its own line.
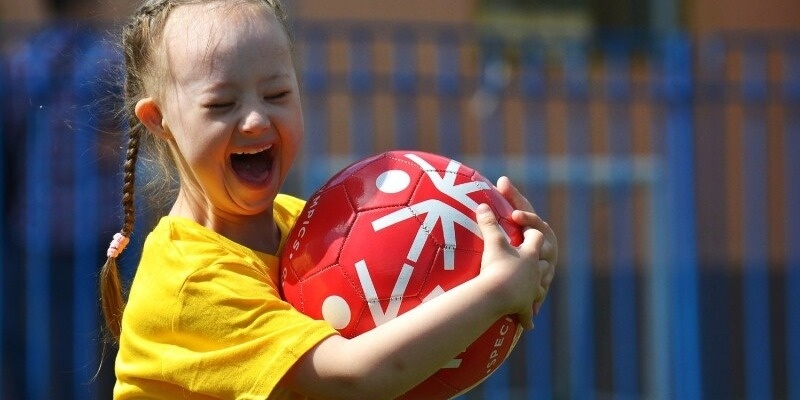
point(483, 208)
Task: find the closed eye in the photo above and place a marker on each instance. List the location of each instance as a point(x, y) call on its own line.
point(277, 95)
point(218, 106)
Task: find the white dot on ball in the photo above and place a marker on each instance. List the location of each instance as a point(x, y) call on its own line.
point(392, 181)
point(336, 311)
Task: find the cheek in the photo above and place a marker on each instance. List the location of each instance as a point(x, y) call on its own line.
point(299, 127)
point(292, 134)
point(201, 149)
point(296, 141)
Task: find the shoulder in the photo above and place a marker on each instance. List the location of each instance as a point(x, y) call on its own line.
point(286, 210)
point(185, 268)
point(190, 249)
point(288, 205)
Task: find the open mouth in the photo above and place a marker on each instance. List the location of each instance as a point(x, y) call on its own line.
point(253, 166)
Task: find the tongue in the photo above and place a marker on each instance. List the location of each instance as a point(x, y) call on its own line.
point(251, 167)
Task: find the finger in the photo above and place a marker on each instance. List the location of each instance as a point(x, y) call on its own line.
point(527, 218)
point(513, 195)
point(532, 241)
point(540, 298)
point(548, 273)
point(488, 225)
point(526, 320)
point(548, 251)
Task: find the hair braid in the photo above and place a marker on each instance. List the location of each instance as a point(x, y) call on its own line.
point(111, 293)
point(129, 181)
point(110, 282)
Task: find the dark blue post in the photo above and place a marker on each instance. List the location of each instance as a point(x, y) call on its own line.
point(791, 148)
point(3, 250)
point(680, 224)
point(489, 106)
point(713, 202)
point(657, 290)
point(37, 233)
point(577, 244)
point(755, 279)
point(86, 81)
point(315, 82)
point(448, 89)
point(362, 127)
point(404, 82)
point(624, 338)
point(538, 344)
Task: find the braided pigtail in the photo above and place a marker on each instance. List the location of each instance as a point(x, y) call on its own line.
point(110, 283)
point(138, 38)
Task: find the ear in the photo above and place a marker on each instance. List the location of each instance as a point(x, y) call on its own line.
point(148, 112)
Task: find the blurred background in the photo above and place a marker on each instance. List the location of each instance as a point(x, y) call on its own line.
point(658, 137)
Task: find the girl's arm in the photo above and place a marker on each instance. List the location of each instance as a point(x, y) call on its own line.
point(394, 357)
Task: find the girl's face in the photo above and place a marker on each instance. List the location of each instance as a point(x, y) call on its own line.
point(231, 107)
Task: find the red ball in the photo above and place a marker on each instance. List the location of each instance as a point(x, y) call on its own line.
point(388, 233)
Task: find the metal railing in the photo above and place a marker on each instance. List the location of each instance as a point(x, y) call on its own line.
point(617, 145)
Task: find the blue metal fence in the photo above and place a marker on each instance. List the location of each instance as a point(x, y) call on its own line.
point(3, 89)
point(679, 161)
point(604, 136)
point(791, 182)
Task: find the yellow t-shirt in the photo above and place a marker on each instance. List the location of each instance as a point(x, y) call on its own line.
point(205, 319)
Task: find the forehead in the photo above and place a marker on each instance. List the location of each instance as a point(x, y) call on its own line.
point(210, 36)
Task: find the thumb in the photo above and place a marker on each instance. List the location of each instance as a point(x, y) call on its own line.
point(487, 223)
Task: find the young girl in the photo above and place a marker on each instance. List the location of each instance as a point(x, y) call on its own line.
point(211, 85)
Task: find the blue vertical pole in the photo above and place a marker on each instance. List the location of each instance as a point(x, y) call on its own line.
point(37, 237)
point(404, 81)
point(755, 279)
point(711, 138)
point(316, 88)
point(489, 107)
point(362, 127)
point(791, 148)
point(658, 283)
point(624, 339)
point(3, 255)
point(679, 153)
point(448, 87)
point(577, 249)
point(658, 290)
point(86, 251)
point(538, 344)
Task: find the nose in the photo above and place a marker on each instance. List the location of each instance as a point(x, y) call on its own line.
point(255, 120)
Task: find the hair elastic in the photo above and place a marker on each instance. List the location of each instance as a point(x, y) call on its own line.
point(117, 245)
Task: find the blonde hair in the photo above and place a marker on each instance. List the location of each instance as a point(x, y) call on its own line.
point(140, 42)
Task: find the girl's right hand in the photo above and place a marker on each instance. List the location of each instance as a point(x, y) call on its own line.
point(516, 277)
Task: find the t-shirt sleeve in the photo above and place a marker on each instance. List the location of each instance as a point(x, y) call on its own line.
point(234, 334)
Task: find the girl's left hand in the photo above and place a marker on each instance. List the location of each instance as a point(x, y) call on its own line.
point(524, 215)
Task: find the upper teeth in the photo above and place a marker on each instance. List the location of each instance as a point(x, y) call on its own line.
point(267, 147)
